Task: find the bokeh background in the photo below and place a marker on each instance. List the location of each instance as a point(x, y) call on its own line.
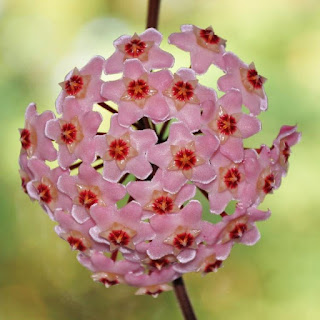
point(40, 41)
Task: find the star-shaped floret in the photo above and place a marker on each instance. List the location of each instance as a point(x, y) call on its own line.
point(144, 47)
point(204, 45)
point(185, 95)
point(184, 157)
point(74, 132)
point(84, 85)
point(155, 200)
point(121, 229)
point(106, 270)
point(138, 93)
point(125, 150)
point(76, 234)
point(246, 79)
point(89, 188)
point(226, 120)
point(43, 186)
point(33, 141)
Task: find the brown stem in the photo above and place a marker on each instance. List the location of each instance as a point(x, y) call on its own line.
point(98, 166)
point(75, 166)
point(153, 13)
point(107, 107)
point(114, 255)
point(205, 193)
point(183, 299)
point(123, 178)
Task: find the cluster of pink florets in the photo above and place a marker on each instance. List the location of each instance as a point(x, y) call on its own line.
point(159, 234)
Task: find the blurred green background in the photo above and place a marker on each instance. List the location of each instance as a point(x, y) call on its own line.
point(40, 41)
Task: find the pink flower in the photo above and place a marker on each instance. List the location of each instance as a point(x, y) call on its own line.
point(229, 124)
point(138, 93)
point(184, 157)
point(204, 45)
point(246, 79)
point(74, 132)
point(84, 85)
point(125, 150)
point(281, 148)
point(180, 234)
point(121, 229)
point(185, 95)
point(107, 271)
point(32, 138)
point(144, 47)
point(153, 198)
point(89, 188)
point(25, 173)
point(76, 234)
point(43, 187)
point(240, 227)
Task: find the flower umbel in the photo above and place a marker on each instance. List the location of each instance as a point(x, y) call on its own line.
point(169, 137)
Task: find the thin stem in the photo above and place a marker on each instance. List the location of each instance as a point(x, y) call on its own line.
point(153, 13)
point(163, 130)
point(114, 255)
point(183, 299)
point(205, 193)
point(98, 166)
point(107, 107)
point(75, 166)
point(123, 178)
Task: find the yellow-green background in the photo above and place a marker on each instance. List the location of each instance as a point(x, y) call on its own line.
point(40, 41)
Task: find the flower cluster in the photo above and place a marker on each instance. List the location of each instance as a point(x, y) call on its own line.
point(125, 198)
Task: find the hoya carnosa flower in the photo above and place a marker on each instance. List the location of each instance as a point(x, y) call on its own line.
point(106, 270)
point(208, 259)
point(121, 229)
point(179, 234)
point(144, 47)
point(138, 93)
point(205, 46)
point(246, 79)
point(33, 140)
point(25, 173)
point(240, 227)
point(76, 234)
point(184, 157)
point(225, 119)
point(153, 198)
point(43, 187)
point(89, 188)
point(154, 283)
point(74, 132)
point(228, 185)
point(125, 150)
point(84, 85)
point(281, 148)
point(185, 95)
point(265, 176)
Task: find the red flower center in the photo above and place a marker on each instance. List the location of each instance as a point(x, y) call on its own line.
point(162, 205)
point(73, 85)
point(119, 237)
point(209, 36)
point(44, 193)
point(269, 183)
point(254, 78)
point(185, 159)
point(232, 178)
point(68, 133)
point(159, 263)
point(87, 198)
point(135, 48)
point(238, 231)
point(76, 243)
point(227, 124)
point(286, 152)
point(183, 240)
point(154, 293)
point(138, 89)
point(213, 266)
point(105, 280)
point(118, 149)
point(182, 91)
point(25, 139)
